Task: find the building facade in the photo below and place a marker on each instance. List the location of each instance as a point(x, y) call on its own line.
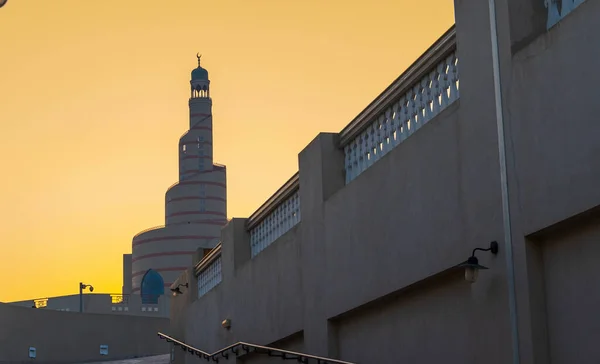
point(195, 206)
point(47, 336)
point(359, 256)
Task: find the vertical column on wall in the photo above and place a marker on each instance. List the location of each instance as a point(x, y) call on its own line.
point(179, 314)
point(482, 196)
point(235, 247)
point(321, 166)
point(526, 21)
point(478, 149)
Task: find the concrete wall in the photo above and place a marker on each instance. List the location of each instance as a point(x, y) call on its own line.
point(68, 337)
point(569, 294)
point(179, 306)
point(369, 275)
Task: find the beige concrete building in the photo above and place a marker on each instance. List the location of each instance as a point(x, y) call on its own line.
point(491, 135)
point(195, 206)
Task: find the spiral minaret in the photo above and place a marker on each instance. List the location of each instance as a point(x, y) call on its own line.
point(195, 207)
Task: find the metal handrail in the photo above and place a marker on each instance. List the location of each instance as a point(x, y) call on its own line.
point(183, 345)
point(246, 347)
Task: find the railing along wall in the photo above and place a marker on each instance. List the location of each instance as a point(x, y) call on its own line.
point(275, 217)
point(241, 348)
point(208, 271)
point(426, 88)
point(558, 9)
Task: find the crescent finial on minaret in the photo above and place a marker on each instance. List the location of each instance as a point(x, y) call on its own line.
point(198, 55)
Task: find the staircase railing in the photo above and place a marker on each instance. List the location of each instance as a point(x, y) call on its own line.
point(244, 348)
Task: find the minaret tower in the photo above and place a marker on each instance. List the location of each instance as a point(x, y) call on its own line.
point(195, 207)
point(195, 146)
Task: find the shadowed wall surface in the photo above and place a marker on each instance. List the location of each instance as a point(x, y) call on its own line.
point(158, 359)
point(71, 337)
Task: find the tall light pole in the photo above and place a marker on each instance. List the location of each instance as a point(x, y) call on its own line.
point(81, 288)
point(510, 265)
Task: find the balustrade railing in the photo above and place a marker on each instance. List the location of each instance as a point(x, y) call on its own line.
point(209, 272)
point(275, 217)
point(426, 88)
point(558, 9)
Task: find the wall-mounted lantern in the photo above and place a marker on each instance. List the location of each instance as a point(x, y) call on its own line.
point(472, 265)
point(226, 324)
point(177, 290)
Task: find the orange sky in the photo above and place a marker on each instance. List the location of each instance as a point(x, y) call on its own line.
point(93, 100)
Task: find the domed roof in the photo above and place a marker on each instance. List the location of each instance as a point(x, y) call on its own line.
point(199, 74)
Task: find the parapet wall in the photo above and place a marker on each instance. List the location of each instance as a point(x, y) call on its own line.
point(103, 303)
point(72, 337)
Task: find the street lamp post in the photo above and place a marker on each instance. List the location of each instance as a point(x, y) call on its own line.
point(81, 288)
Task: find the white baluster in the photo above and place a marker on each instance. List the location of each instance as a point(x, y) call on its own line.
point(395, 126)
point(348, 162)
point(412, 111)
point(453, 75)
point(364, 150)
point(435, 92)
point(387, 132)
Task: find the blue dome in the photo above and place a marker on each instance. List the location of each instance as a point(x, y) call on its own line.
point(153, 286)
point(199, 74)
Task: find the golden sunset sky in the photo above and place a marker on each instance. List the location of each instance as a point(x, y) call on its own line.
point(93, 100)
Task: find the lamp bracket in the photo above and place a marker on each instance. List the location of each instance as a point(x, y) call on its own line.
point(493, 249)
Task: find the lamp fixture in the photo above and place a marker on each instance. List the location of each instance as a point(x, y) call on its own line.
point(82, 287)
point(226, 324)
point(177, 290)
point(472, 265)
